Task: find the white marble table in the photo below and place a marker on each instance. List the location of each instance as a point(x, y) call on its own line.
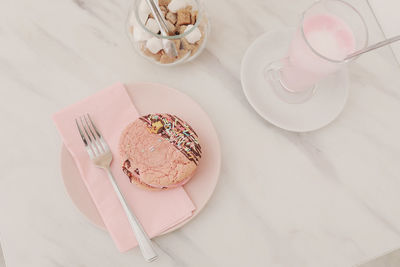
point(326, 198)
point(387, 14)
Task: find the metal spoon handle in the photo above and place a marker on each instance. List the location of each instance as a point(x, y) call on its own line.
point(373, 47)
point(169, 46)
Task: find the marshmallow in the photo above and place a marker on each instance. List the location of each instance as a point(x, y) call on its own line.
point(140, 34)
point(144, 7)
point(144, 11)
point(175, 5)
point(154, 45)
point(152, 26)
point(194, 36)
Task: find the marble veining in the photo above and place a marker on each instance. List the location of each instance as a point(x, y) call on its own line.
point(322, 199)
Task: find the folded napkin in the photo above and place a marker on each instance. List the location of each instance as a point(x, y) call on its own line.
point(112, 110)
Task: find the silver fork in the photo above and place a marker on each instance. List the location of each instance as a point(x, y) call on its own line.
point(100, 153)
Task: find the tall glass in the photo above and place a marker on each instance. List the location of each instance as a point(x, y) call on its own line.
point(329, 31)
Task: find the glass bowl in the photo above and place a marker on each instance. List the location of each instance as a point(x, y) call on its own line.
point(186, 17)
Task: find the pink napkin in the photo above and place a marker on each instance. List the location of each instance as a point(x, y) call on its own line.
point(111, 110)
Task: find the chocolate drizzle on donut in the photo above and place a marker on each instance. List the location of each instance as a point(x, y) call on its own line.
point(177, 132)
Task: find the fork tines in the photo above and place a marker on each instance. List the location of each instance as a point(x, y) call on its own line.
point(91, 137)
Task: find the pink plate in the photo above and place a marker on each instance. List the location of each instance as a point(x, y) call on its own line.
point(157, 98)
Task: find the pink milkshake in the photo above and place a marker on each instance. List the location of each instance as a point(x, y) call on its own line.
point(318, 49)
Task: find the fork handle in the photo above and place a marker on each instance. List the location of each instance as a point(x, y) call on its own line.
point(142, 238)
